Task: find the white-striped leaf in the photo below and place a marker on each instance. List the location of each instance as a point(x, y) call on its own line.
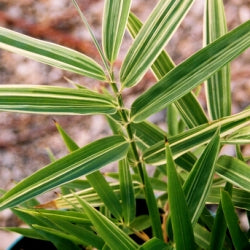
point(192, 72)
point(50, 53)
point(181, 221)
point(53, 100)
point(195, 137)
point(161, 66)
point(114, 23)
point(109, 232)
point(234, 171)
point(151, 39)
point(199, 181)
point(81, 162)
point(218, 85)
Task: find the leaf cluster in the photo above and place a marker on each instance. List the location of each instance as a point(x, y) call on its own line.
point(132, 209)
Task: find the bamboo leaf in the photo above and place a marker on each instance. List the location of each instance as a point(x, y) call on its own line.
point(71, 145)
point(239, 239)
point(82, 161)
point(219, 226)
point(114, 23)
point(101, 186)
point(69, 201)
point(198, 183)
point(201, 236)
point(51, 54)
point(218, 85)
point(193, 138)
point(191, 72)
point(161, 66)
point(234, 171)
point(127, 192)
point(53, 100)
point(156, 32)
point(152, 207)
point(155, 243)
point(181, 223)
point(109, 232)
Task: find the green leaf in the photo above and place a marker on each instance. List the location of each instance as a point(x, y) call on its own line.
point(239, 239)
point(70, 216)
point(161, 66)
point(127, 192)
point(76, 233)
point(155, 243)
point(240, 198)
point(181, 223)
point(201, 236)
point(191, 72)
point(53, 100)
point(114, 23)
point(51, 54)
point(109, 232)
point(193, 138)
point(241, 136)
point(89, 194)
point(105, 192)
point(198, 183)
point(219, 227)
point(82, 161)
point(152, 207)
point(234, 171)
point(156, 32)
point(71, 145)
point(218, 85)
point(59, 241)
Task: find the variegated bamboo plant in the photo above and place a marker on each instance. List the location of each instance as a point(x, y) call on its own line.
point(100, 214)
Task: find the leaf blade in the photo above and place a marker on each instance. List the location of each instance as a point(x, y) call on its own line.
point(191, 72)
point(51, 54)
point(218, 85)
point(181, 223)
point(199, 181)
point(157, 30)
point(53, 100)
point(114, 22)
point(82, 161)
point(111, 234)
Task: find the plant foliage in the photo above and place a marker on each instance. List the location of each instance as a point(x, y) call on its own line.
point(188, 174)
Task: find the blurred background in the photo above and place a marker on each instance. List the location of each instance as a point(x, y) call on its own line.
point(25, 139)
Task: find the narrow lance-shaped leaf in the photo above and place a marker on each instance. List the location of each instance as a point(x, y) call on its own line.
point(219, 226)
point(234, 171)
point(82, 161)
point(218, 85)
point(191, 139)
point(240, 241)
point(114, 23)
point(53, 100)
point(181, 223)
point(97, 181)
point(109, 232)
point(152, 206)
point(198, 183)
point(193, 71)
point(151, 39)
point(127, 192)
point(240, 197)
point(51, 54)
point(161, 66)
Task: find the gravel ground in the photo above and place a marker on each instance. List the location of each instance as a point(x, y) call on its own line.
point(24, 139)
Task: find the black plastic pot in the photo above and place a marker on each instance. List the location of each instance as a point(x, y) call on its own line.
point(25, 243)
